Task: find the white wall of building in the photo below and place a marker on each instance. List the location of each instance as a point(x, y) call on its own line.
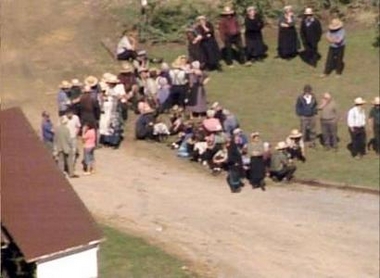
point(83, 264)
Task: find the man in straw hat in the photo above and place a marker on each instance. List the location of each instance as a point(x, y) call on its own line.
point(306, 110)
point(229, 30)
point(374, 122)
point(329, 121)
point(281, 167)
point(311, 32)
point(296, 145)
point(63, 99)
point(179, 79)
point(356, 120)
point(336, 38)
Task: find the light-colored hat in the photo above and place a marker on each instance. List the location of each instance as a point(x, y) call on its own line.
point(165, 67)
point(359, 101)
point(196, 65)
point(288, 8)
point(64, 120)
point(103, 85)
point(255, 134)
point(76, 82)
point(236, 131)
point(308, 11)
point(106, 76)
point(201, 17)
point(126, 68)
point(335, 24)
point(215, 105)
point(295, 133)
point(65, 84)
point(91, 81)
point(227, 11)
point(210, 113)
point(281, 145)
point(141, 53)
point(251, 8)
point(376, 101)
point(112, 79)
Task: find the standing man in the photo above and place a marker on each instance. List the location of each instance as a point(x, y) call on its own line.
point(229, 31)
point(74, 126)
point(64, 148)
point(329, 122)
point(63, 99)
point(311, 32)
point(336, 36)
point(306, 110)
point(374, 122)
point(356, 121)
point(47, 131)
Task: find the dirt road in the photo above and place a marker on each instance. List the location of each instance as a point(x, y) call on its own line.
point(292, 231)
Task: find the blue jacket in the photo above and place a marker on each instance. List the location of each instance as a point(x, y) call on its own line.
point(304, 109)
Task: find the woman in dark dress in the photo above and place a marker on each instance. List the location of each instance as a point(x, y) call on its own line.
point(193, 45)
point(288, 43)
point(209, 47)
point(197, 103)
point(234, 164)
point(257, 168)
point(255, 46)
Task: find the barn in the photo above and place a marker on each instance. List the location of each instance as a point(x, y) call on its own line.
point(46, 230)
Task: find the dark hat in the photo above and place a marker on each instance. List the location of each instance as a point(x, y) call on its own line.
point(307, 88)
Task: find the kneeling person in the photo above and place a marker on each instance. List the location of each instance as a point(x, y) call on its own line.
point(281, 166)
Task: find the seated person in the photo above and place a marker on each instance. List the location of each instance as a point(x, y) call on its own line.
point(160, 130)
point(211, 124)
point(230, 123)
point(240, 139)
point(219, 160)
point(296, 145)
point(281, 166)
point(126, 48)
point(145, 122)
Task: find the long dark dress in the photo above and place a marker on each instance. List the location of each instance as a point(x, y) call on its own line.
point(288, 43)
point(310, 32)
point(194, 49)
point(209, 47)
point(234, 167)
point(255, 46)
point(197, 98)
point(257, 171)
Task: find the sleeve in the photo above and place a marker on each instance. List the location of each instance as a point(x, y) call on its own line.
point(350, 118)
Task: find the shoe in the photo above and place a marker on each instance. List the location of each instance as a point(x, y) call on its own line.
point(231, 66)
point(73, 176)
point(86, 173)
point(323, 75)
point(248, 63)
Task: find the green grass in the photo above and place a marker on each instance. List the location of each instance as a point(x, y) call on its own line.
point(125, 256)
point(263, 97)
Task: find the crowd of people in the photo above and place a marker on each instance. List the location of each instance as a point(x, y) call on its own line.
point(203, 45)
point(171, 106)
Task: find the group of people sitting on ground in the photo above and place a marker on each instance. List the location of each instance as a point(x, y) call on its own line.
point(246, 45)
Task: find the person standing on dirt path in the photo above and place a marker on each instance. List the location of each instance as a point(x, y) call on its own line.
point(306, 110)
point(356, 121)
point(63, 99)
point(310, 32)
point(374, 123)
point(47, 132)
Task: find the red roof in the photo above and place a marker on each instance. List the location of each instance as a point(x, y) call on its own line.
point(39, 208)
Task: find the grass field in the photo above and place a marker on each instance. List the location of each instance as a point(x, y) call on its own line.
point(125, 256)
point(263, 97)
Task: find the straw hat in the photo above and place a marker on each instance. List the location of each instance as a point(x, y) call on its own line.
point(281, 145)
point(201, 17)
point(250, 8)
point(359, 101)
point(65, 84)
point(76, 82)
point(91, 81)
point(215, 105)
point(103, 85)
point(288, 8)
point(308, 11)
point(376, 101)
point(295, 134)
point(227, 11)
point(335, 24)
point(236, 131)
point(210, 113)
point(106, 76)
point(126, 68)
point(112, 79)
point(255, 134)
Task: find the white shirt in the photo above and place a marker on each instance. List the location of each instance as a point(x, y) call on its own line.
point(178, 77)
point(356, 117)
point(124, 44)
point(117, 91)
point(73, 125)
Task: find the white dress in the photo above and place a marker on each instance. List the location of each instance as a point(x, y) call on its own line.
point(105, 118)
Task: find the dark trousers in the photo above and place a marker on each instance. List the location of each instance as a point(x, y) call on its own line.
point(234, 178)
point(376, 135)
point(311, 55)
point(177, 96)
point(287, 172)
point(335, 60)
point(236, 41)
point(127, 55)
point(358, 141)
point(308, 125)
point(296, 153)
point(329, 130)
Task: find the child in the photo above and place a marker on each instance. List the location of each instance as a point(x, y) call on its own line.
point(89, 142)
